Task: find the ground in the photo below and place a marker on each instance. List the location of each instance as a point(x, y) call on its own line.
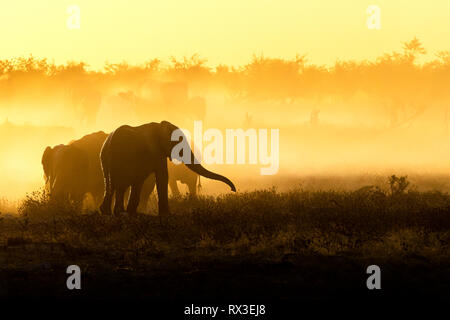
point(261, 246)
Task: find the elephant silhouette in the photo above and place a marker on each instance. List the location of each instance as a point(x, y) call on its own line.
point(89, 178)
point(64, 166)
point(130, 154)
point(74, 169)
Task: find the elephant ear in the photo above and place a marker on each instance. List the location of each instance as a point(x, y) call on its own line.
point(165, 137)
point(46, 161)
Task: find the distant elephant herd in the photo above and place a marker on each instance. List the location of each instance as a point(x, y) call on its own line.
point(106, 165)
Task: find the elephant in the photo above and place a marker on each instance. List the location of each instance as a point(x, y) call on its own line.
point(92, 175)
point(75, 169)
point(86, 101)
point(90, 105)
point(130, 154)
point(64, 167)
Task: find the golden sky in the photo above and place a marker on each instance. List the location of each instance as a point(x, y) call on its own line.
point(223, 31)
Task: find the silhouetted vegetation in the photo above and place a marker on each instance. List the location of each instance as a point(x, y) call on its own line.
point(368, 221)
point(255, 244)
point(395, 82)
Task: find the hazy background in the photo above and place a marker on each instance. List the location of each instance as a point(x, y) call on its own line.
point(351, 103)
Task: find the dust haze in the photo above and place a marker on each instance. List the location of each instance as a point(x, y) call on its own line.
point(340, 126)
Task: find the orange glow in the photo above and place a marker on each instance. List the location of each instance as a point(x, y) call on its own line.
point(346, 99)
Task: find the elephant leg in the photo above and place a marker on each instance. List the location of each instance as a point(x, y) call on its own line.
point(162, 180)
point(174, 187)
point(58, 188)
point(119, 205)
point(105, 207)
point(126, 196)
point(78, 193)
point(135, 195)
point(97, 198)
point(192, 185)
point(146, 191)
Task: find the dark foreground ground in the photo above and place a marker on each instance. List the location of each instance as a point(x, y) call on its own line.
point(261, 247)
point(254, 278)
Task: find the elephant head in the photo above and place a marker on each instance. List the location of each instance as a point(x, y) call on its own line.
point(167, 144)
point(49, 159)
point(47, 163)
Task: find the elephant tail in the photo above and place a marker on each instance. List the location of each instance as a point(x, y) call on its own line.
point(106, 165)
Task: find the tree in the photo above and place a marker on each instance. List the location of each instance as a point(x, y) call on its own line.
point(413, 48)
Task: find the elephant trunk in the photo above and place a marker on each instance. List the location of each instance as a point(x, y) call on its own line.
point(199, 169)
point(196, 167)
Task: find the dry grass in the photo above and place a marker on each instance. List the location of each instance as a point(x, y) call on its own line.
point(368, 221)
